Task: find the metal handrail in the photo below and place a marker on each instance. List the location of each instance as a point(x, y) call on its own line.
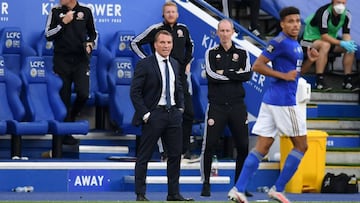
point(239, 28)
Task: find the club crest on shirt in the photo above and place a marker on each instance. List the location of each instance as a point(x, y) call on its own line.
point(235, 57)
point(218, 56)
point(80, 16)
point(180, 33)
point(270, 48)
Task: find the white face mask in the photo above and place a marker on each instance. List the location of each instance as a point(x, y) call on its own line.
point(339, 8)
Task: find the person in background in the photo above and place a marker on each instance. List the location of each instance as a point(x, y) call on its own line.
point(156, 93)
point(182, 52)
point(227, 67)
point(321, 32)
point(254, 6)
point(279, 112)
point(71, 28)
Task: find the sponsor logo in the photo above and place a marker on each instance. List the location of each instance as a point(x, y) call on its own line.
point(13, 39)
point(103, 12)
point(37, 69)
point(4, 12)
point(125, 42)
point(208, 41)
point(257, 82)
point(124, 70)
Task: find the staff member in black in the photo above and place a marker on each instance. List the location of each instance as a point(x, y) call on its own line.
point(227, 67)
point(71, 27)
point(157, 96)
point(182, 52)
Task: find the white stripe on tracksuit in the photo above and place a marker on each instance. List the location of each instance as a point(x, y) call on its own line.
point(138, 38)
point(50, 32)
point(204, 145)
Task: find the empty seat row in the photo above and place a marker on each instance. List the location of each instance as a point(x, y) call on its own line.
point(32, 105)
point(111, 70)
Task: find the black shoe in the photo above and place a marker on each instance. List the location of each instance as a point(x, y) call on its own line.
point(348, 85)
point(248, 194)
point(70, 140)
point(205, 192)
point(178, 197)
point(321, 85)
point(141, 198)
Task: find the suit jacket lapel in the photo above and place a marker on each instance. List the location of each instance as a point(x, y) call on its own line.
point(157, 69)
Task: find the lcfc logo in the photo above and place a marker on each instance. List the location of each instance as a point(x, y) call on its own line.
point(8, 43)
point(120, 74)
point(37, 64)
point(122, 46)
point(33, 72)
point(49, 45)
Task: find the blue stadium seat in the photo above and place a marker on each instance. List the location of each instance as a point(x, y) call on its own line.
point(120, 106)
point(41, 83)
point(13, 48)
point(200, 100)
point(45, 49)
point(119, 47)
point(12, 111)
point(200, 89)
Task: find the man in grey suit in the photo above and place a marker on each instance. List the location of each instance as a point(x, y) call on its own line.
point(157, 96)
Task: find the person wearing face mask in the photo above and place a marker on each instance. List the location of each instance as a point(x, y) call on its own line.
point(321, 33)
point(183, 53)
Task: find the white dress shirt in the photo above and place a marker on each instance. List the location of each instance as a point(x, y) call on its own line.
point(162, 67)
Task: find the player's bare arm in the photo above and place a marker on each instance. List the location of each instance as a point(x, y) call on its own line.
point(261, 67)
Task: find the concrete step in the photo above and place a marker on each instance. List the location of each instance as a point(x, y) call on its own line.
point(343, 139)
point(343, 156)
point(326, 124)
point(339, 97)
point(182, 180)
point(345, 110)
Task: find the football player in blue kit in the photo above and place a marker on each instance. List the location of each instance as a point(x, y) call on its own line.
point(279, 113)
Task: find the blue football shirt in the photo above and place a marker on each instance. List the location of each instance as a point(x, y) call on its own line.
point(286, 54)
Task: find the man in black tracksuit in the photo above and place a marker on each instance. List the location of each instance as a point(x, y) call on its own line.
point(71, 28)
point(182, 51)
point(227, 67)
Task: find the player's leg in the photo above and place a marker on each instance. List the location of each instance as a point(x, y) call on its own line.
point(265, 127)
point(291, 122)
point(323, 49)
